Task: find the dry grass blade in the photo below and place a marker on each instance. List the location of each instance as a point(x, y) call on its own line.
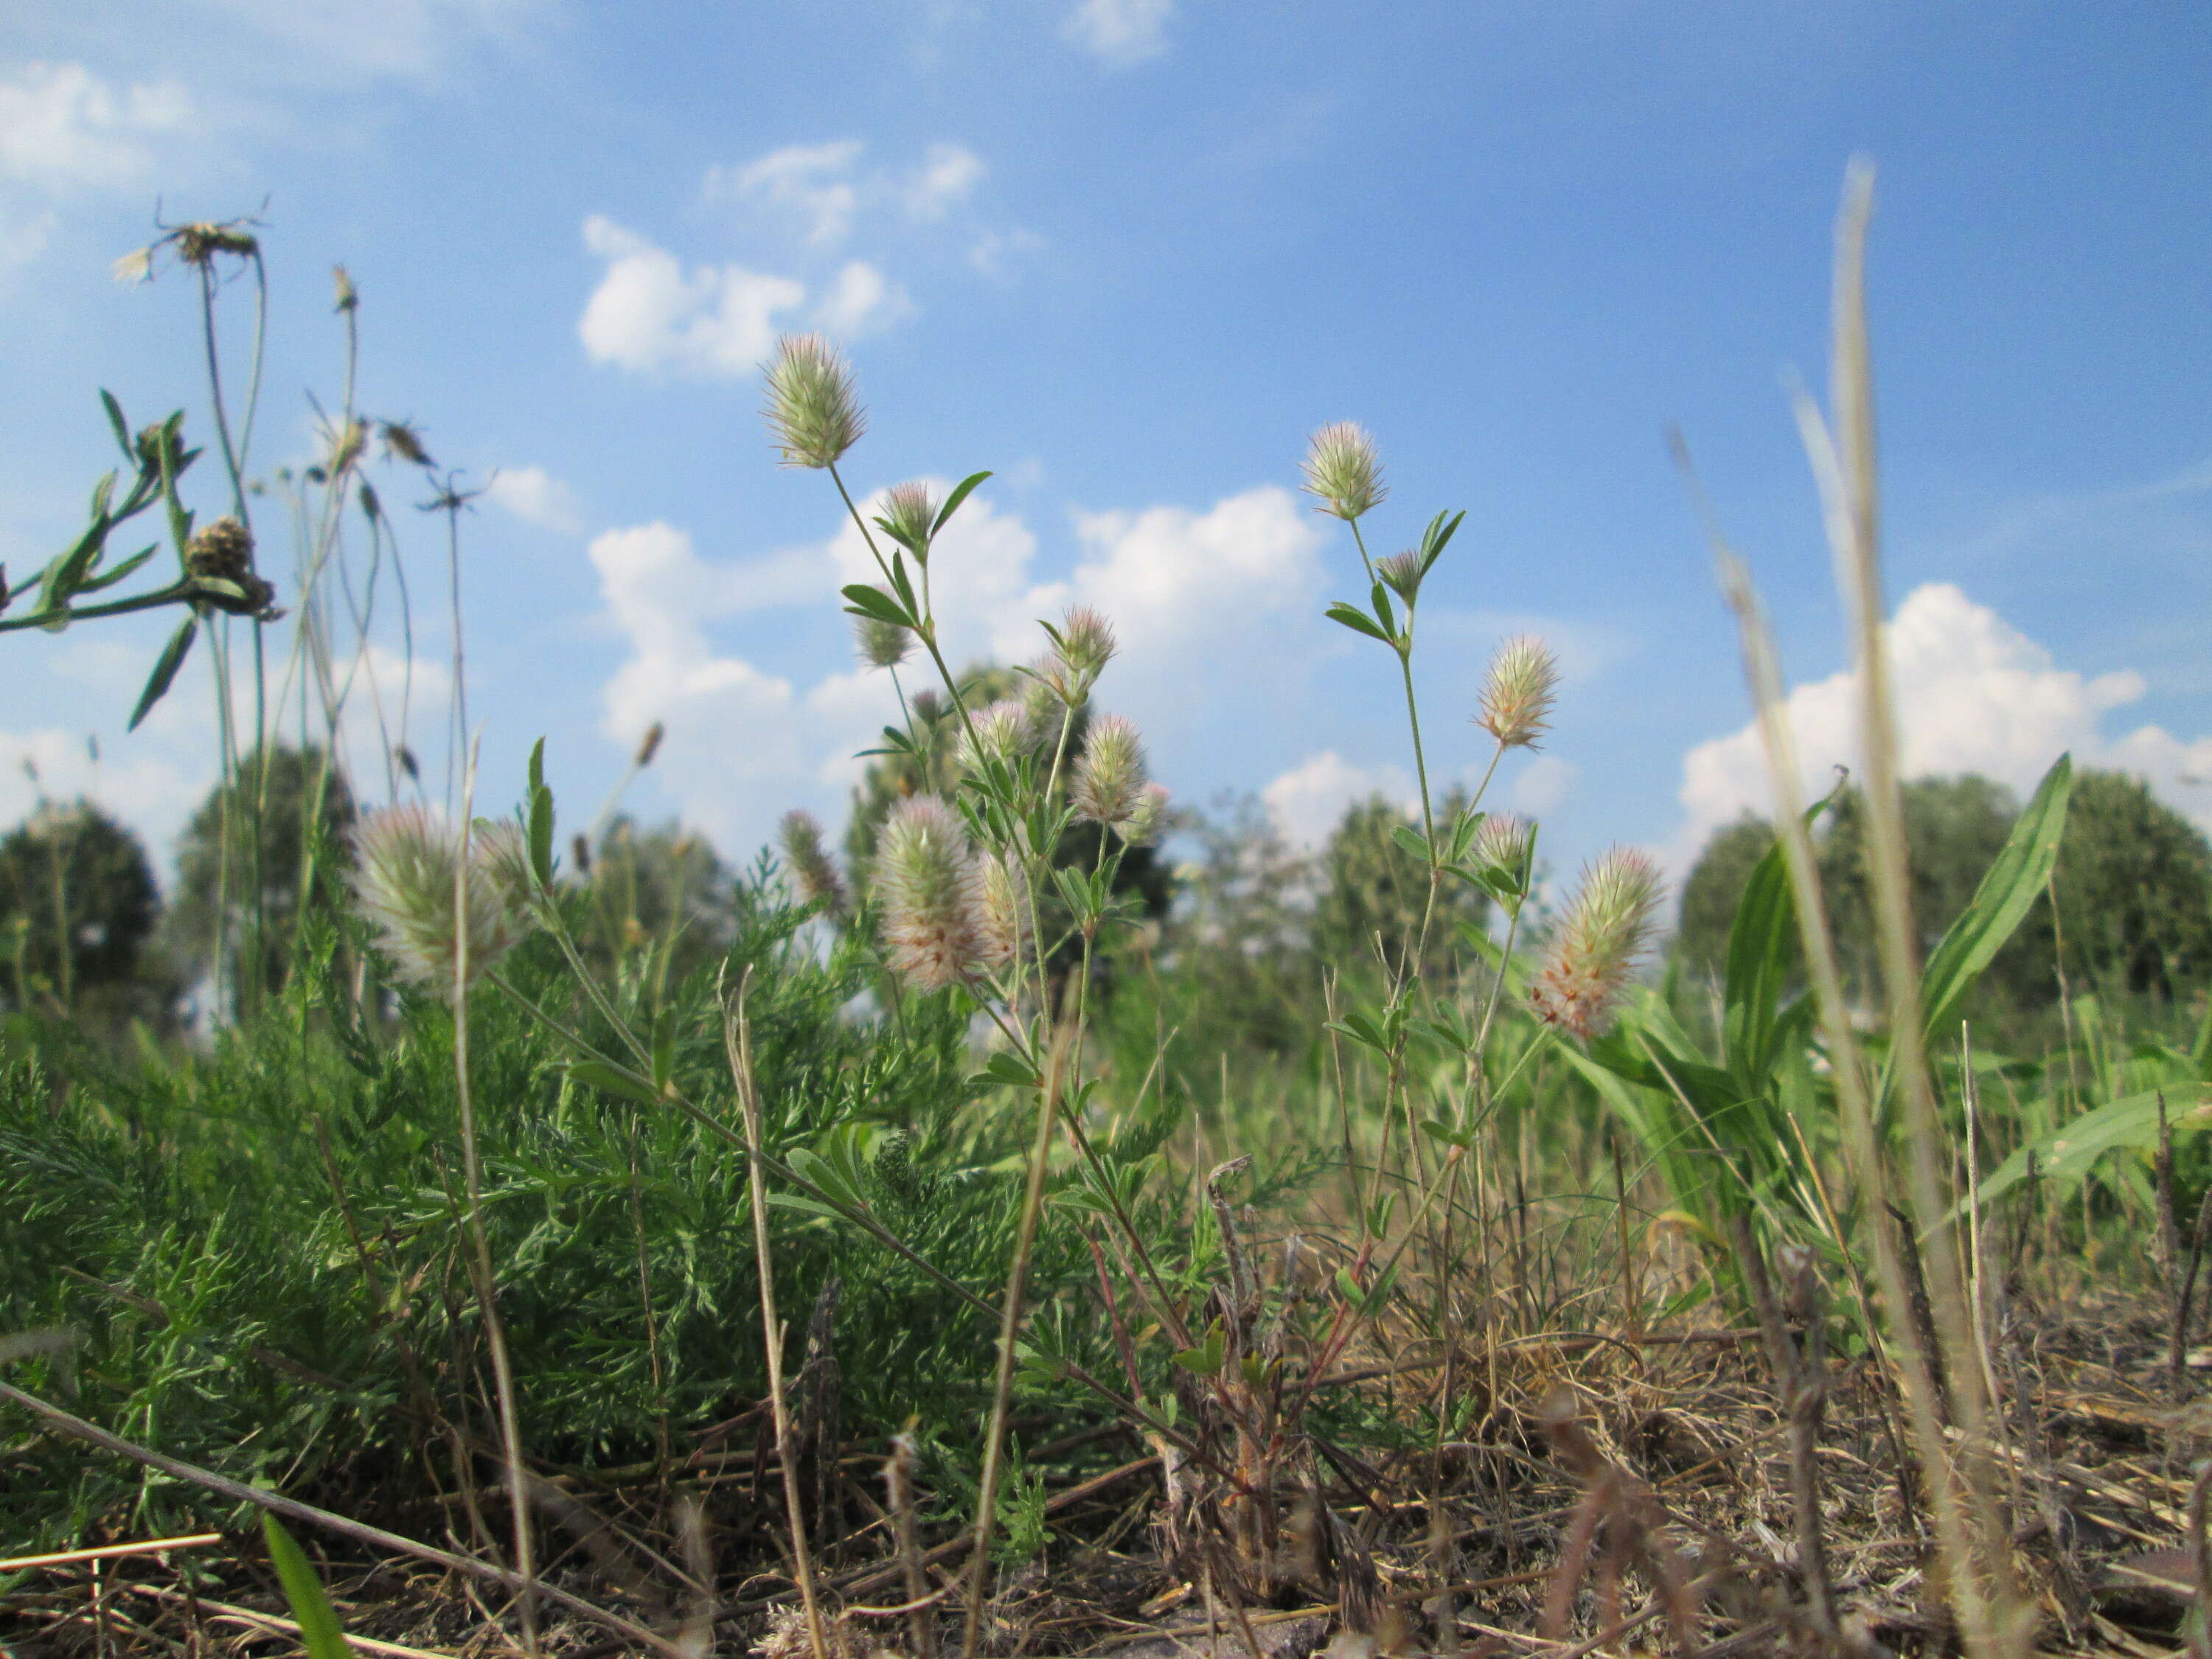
point(1996, 1618)
point(737, 1035)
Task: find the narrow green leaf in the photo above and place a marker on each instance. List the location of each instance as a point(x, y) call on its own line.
point(1437, 538)
point(320, 1633)
point(600, 1075)
point(1413, 840)
point(165, 670)
point(121, 425)
point(863, 600)
point(961, 491)
point(2001, 904)
point(1358, 621)
point(123, 571)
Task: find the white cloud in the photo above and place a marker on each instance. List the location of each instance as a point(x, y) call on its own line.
point(62, 128)
point(1121, 31)
point(948, 175)
point(536, 496)
point(1544, 786)
point(1201, 601)
point(811, 182)
point(1309, 800)
point(648, 314)
point(861, 300)
point(1973, 694)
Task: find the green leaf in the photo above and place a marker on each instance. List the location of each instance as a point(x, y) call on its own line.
point(1415, 843)
point(320, 1633)
point(1762, 951)
point(129, 568)
point(1437, 538)
point(1358, 621)
point(121, 425)
point(804, 1205)
point(961, 491)
point(1008, 1068)
point(1383, 614)
point(2000, 904)
point(865, 601)
point(165, 670)
point(600, 1075)
point(2069, 1152)
point(904, 584)
point(541, 818)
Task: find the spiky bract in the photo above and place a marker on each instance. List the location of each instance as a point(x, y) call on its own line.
point(1000, 732)
point(910, 517)
point(1501, 842)
point(407, 879)
point(881, 643)
point(1607, 926)
point(1110, 777)
point(1001, 915)
point(811, 870)
point(927, 878)
point(812, 410)
point(1342, 468)
point(1518, 692)
point(1144, 824)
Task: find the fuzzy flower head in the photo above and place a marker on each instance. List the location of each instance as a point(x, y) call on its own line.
point(812, 410)
point(1518, 692)
point(1342, 468)
point(1143, 825)
point(1606, 927)
point(1502, 844)
point(1000, 933)
point(811, 873)
point(407, 877)
point(1403, 572)
point(1000, 732)
point(927, 878)
point(1110, 779)
point(881, 644)
point(910, 517)
point(1082, 645)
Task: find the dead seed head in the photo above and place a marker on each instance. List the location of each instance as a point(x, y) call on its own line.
point(409, 866)
point(344, 296)
point(881, 644)
point(649, 744)
point(927, 877)
point(1607, 926)
point(1110, 779)
point(812, 411)
point(402, 442)
point(1518, 692)
point(811, 870)
point(223, 552)
point(1342, 469)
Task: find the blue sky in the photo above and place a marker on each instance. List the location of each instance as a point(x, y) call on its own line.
point(1128, 254)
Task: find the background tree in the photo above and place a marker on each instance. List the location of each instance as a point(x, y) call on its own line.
point(1712, 890)
point(78, 906)
point(1373, 891)
point(662, 887)
point(303, 812)
point(1954, 829)
point(2135, 891)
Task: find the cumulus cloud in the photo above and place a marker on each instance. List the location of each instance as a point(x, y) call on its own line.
point(1121, 33)
point(811, 182)
point(537, 498)
point(411, 38)
point(1310, 799)
point(948, 175)
point(62, 128)
point(825, 189)
point(1182, 586)
point(861, 300)
point(649, 314)
point(1973, 694)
